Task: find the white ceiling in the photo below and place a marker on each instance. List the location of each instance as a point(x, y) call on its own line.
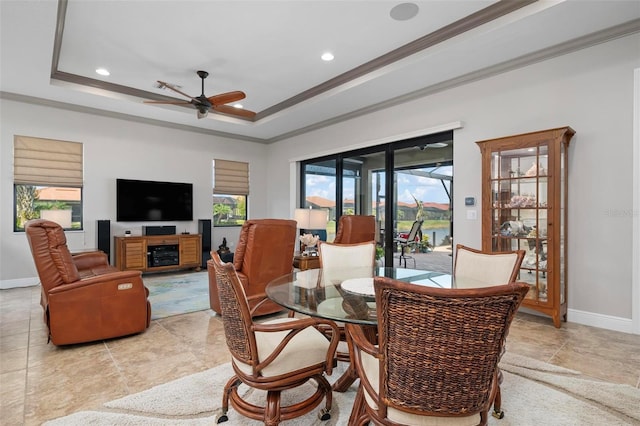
point(271, 51)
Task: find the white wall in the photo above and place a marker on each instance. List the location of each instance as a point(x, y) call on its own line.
point(590, 90)
point(118, 149)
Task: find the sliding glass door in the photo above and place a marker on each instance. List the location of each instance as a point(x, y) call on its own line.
point(398, 183)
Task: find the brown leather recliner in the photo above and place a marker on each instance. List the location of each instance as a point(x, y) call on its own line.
point(354, 229)
point(83, 297)
point(263, 253)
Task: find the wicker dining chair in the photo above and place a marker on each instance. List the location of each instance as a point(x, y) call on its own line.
point(437, 354)
point(478, 268)
point(273, 356)
point(340, 262)
point(474, 269)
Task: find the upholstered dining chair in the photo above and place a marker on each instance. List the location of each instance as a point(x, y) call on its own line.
point(355, 229)
point(344, 261)
point(273, 356)
point(83, 297)
point(436, 361)
point(474, 269)
point(340, 262)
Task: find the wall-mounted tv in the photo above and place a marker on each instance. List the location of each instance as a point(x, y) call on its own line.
point(142, 200)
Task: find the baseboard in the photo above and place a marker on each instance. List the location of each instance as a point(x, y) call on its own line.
point(608, 322)
point(20, 282)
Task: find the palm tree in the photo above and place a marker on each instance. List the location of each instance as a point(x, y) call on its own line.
point(26, 195)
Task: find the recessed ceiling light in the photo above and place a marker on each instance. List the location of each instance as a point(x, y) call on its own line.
point(239, 106)
point(103, 71)
point(404, 11)
point(327, 56)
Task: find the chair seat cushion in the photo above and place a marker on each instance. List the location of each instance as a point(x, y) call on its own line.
point(309, 347)
point(371, 367)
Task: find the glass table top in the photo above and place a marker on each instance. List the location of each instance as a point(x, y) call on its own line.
point(343, 295)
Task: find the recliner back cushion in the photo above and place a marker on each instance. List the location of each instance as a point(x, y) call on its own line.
point(355, 229)
point(265, 249)
point(50, 253)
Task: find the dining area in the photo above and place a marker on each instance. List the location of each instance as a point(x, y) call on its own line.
point(421, 346)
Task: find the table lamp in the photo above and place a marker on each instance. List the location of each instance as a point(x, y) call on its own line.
point(313, 222)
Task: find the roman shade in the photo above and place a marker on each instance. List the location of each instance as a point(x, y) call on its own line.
point(231, 177)
point(47, 162)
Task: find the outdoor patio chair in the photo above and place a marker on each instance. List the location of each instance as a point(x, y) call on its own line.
point(407, 242)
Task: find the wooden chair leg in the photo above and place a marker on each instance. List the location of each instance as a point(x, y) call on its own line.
point(231, 385)
point(272, 409)
point(358, 411)
point(497, 401)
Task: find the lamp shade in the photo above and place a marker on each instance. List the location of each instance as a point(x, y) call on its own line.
point(311, 219)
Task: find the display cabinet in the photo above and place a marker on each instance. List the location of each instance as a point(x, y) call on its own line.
point(524, 206)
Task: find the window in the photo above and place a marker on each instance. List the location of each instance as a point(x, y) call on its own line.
point(48, 178)
point(230, 192)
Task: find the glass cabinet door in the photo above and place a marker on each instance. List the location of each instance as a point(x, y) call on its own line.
point(519, 191)
point(524, 207)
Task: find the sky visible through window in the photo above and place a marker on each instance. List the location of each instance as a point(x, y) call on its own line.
point(409, 185)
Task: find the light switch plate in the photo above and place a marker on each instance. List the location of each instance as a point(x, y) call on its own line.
point(472, 214)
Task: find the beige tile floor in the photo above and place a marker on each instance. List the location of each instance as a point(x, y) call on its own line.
point(39, 381)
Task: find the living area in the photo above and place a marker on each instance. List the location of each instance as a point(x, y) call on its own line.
point(590, 88)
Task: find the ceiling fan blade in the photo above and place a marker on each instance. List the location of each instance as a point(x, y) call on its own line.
point(226, 109)
point(168, 86)
point(168, 102)
point(225, 98)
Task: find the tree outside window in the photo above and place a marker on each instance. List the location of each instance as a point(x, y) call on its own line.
point(62, 205)
point(229, 210)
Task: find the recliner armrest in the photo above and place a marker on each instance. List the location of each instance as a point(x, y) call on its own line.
point(117, 278)
point(90, 260)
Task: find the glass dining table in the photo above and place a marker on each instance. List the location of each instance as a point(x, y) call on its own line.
point(344, 295)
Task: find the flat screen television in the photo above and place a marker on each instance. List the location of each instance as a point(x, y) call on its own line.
point(142, 200)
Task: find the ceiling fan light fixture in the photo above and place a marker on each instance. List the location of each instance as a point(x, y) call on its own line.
point(203, 104)
point(203, 112)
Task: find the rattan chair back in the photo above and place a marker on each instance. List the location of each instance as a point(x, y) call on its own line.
point(235, 312)
point(439, 348)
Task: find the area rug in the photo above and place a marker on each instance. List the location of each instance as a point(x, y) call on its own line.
point(533, 393)
point(174, 294)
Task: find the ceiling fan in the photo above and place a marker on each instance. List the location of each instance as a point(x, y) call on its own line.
point(204, 104)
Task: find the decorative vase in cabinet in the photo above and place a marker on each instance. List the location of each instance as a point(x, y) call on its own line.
point(524, 206)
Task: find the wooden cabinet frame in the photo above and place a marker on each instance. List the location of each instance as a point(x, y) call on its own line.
point(172, 252)
point(524, 206)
